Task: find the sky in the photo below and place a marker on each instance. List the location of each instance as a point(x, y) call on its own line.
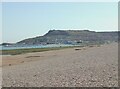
point(21, 20)
point(59, 0)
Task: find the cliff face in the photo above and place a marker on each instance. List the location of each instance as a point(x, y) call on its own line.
point(71, 36)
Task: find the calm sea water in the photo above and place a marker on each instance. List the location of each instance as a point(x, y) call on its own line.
point(33, 46)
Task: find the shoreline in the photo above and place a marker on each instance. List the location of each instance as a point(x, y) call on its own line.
point(10, 60)
point(32, 55)
point(31, 50)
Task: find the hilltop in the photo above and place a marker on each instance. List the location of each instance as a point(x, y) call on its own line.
point(71, 37)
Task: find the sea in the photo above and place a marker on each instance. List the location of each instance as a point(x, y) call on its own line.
point(33, 46)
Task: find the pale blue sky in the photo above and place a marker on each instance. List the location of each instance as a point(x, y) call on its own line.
point(26, 20)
